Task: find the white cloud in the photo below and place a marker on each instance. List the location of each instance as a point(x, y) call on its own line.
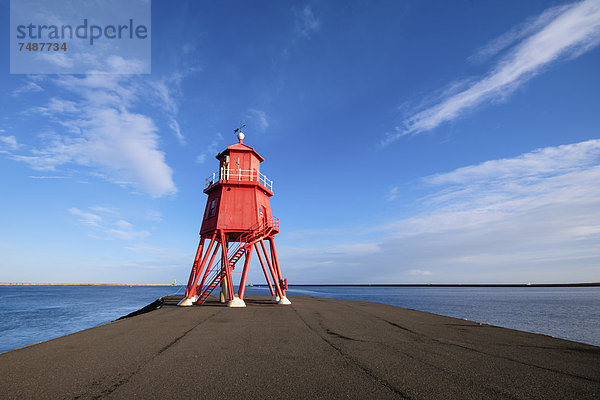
point(306, 22)
point(155, 251)
point(174, 125)
point(46, 177)
point(122, 145)
point(8, 143)
point(558, 33)
point(58, 106)
point(259, 117)
point(494, 191)
point(86, 218)
point(104, 135)
point(538, 163)
point(105, 210)
point(392, 194)
point(118, 65)
point(334, 263)
point(128, 234)
point(123, 224)
point(530, 26)
point(105, 223)
point(29, 87)
point(164, 91)
point(211, 150)
point(61, 60)
point(353, 249)
point(154, 215)
point(419, 272)
point(531, 218)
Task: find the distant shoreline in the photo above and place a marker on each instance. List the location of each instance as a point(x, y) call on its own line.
point(86, 284)
point(582, 284)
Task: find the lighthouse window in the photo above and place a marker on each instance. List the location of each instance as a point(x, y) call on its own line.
point(213, 208)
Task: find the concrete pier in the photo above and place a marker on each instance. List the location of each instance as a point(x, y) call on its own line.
point(315, 348)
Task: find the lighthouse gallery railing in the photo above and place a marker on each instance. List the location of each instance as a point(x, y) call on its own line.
point(237, 174)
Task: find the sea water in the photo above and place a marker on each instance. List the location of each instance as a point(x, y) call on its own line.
point(29, 314)
point(571, 313)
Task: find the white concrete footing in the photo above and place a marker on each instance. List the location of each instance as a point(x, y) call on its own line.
point(236, 302)
point(186, 302)
point(284, 300)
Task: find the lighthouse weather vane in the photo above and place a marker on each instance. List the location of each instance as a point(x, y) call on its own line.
point(240, 128)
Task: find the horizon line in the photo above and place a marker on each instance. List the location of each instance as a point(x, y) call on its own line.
point(572, 284)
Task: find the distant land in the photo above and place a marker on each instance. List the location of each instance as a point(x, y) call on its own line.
point(86, 284)
point(581, 284)
point(449, 284)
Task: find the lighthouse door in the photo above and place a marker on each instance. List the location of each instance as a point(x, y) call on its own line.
point(263, 215)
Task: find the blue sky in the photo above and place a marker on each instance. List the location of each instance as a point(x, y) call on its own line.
point(408, 141)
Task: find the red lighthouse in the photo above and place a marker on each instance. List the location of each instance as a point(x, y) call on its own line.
point(237, 220)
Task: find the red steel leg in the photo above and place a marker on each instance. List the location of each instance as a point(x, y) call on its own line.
point(227, 266)
point(264, 270)
point(195, 266)
point(194, 288)
point(276, 262)
point(212, 258)
point(242, 287)
point(273, 273)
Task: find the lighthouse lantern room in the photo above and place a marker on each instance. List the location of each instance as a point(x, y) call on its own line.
point(237, 221)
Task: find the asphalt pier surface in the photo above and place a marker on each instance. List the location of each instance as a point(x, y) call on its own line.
point(316, 348)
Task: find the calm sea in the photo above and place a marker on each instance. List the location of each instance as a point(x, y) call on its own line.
point(36, 313)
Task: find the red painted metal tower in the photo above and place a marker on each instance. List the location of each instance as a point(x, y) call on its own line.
point(237, 220)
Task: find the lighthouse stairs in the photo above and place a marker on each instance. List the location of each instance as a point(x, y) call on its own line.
point(243, 243)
